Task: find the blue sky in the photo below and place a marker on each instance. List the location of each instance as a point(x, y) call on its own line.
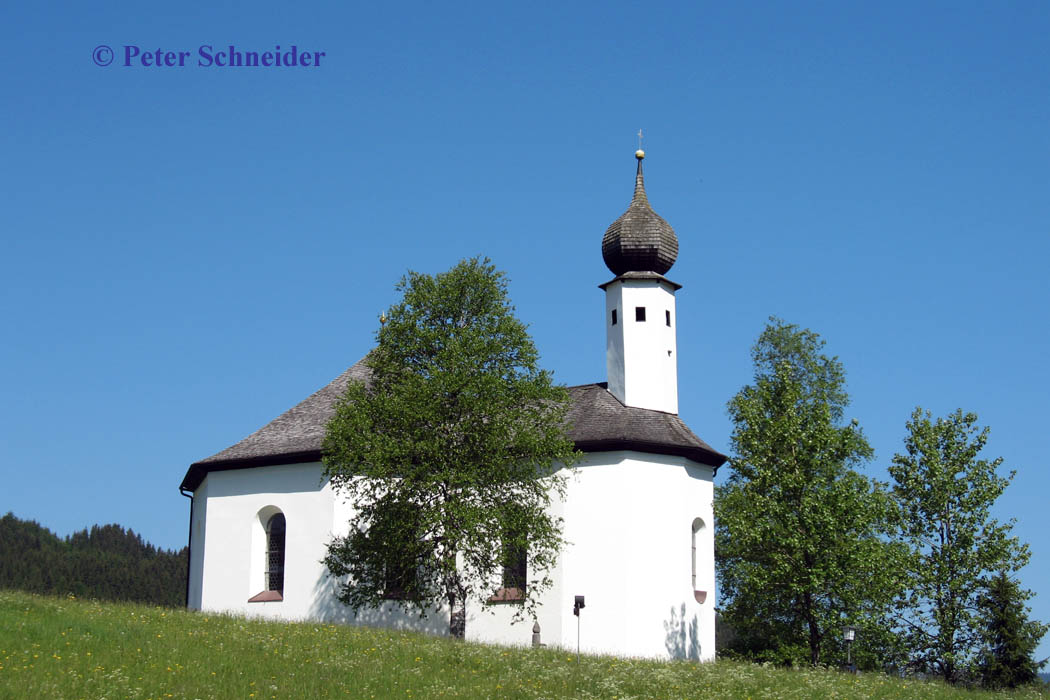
point(188, 252)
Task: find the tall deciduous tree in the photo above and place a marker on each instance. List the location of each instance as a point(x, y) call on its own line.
point(799, 533)
point(945, 493)
point(449, 453)
point(1010, 638)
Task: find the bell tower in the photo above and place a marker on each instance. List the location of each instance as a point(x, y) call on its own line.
point(640, 320)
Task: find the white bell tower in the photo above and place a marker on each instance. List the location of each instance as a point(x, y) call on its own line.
point(640, 320)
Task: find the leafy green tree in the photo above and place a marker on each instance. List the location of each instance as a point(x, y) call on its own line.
point(1010, 638)
point(801, 546)
point(449, 453)
point(945, 494)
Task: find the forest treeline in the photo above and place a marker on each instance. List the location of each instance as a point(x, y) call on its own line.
point(106, 562)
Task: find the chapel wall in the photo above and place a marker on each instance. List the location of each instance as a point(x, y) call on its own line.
point(629, 520)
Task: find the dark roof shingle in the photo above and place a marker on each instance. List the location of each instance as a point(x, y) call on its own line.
point(598, 423)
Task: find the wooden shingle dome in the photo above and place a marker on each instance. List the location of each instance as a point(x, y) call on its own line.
point(640, 240)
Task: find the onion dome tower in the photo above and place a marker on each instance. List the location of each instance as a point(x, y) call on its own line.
point(640, 240)
point(641, 354)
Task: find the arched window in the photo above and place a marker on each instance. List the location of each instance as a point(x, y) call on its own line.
point(698, 526)
point(515, 564)
point(401, 562)
point(514, 553)
point(275, 531)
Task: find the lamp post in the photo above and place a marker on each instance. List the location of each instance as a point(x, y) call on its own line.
point(577, 606)
point(849, 633)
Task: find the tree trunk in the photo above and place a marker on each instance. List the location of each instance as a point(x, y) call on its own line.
point(457, 618)
point(457, 623)
point(814, 630)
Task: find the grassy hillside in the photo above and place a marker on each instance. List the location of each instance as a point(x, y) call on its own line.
point(67, 648)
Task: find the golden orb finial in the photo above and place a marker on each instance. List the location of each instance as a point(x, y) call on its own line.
point(639, 154)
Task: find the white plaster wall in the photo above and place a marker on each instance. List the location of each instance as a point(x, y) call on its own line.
point(198, 521)
point(642, 356)
point(629, 519)
point(495, 623)
point(327, 606)
point(614, 354)
point(485, 623)
point(230, 560)
point(233, 539)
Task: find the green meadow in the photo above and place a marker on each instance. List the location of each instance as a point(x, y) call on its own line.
point(67, 648)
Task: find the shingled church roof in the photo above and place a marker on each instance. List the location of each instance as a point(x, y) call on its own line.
point(598, 422)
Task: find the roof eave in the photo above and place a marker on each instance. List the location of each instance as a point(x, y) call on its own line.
point(697, 454)
point(199, 470)
point(640, 276)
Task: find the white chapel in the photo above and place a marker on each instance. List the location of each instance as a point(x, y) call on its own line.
point(637, 514)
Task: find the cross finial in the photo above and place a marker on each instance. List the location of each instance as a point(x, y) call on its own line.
point(639, 139)
point(639, 154)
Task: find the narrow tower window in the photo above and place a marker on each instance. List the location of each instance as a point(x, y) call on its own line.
point(614, 317)
point(667, 316)
point(639, 313)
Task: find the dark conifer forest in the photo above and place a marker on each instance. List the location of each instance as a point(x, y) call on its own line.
point(106, 562)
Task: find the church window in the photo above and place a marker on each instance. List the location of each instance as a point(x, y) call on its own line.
point(399, 579)
point(614, 317)
point(514, 553)
point(515, 565)
point(402, 563)
point(667, 316)
point(639, 313)
point(275, 537)
point(698, 527)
